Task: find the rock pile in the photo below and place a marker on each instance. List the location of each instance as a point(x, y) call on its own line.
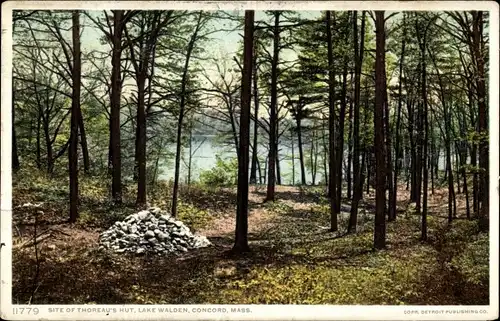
point(150, 231)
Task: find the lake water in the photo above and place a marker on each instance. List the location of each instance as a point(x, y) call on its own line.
point(208, 149)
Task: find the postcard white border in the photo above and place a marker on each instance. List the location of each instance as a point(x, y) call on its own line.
point(259, 312)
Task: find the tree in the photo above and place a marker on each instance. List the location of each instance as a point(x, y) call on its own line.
point(241, 239)
point(75, 120)
point(150, 24)
point(331, 124)
point(271, 180)
point(379, 145)
point(358, 59)
point(201, 20)
point(114, 36)
point(397, 154)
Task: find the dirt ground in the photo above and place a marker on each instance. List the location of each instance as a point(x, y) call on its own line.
point(290, 233)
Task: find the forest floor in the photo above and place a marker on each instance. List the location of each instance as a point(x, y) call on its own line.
point(294, 257)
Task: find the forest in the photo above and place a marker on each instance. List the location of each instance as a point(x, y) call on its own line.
point(348, 159)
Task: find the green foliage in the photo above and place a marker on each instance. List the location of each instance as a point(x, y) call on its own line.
point(278, 207)
point(225, 173)
point(192, 216)
point(473, 262)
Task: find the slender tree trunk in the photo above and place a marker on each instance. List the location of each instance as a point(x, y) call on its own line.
point(83, 143)
point(423, 47)
point(457, 170)
point(325, 153)
point(241, 238)
point(253, 169)
point(311, 157)
point(340, 138)
point(332, 190)
point(293, 160)
point(433, 154)
point(278, 168)
point(358, 191)
point(350, 139)
point(398, 121)
point(389, 168)
point(75, 107)
point(271, 181)
point(141, 142)
point(301, 153)
point(463, 162)
point(190, 160)
point(180, 123)
point(114, 157)
point(38, 141)
point(15, 156)
point(48, 145)
point(380, 93)
point(478, 47)
point(260, 172)
point(451, 189)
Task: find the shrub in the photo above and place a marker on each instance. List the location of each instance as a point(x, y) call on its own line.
point(224, 173)
point(192, 216)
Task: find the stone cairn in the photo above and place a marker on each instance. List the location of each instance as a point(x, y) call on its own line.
point(151, 231)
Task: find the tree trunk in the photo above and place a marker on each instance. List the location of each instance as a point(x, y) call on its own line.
point(278, 169)
point(340, 138)
point(423, 47)
point(332, 190)
point(457, 170)
point(253, 169)
point(293, 160)
point(273, 108)
point(83, 143)
point(325, 153)
point(116, 88)
point(15, 156)
point(75, 107)
point(349, 136)
point(38, 141)
point(478, 47)
point(182, 112)
point(141, 142)
point(301, 153)
point(398, 121)
point(380, 93)
point(241, 238)
point(48, 146)
point(311, 156)
point(190, 160)
point(389, 168)
point(358, 191)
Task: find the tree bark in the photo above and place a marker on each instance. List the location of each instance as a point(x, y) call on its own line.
point(182, 112)
point(380, 93)
point(358, 59)
point(15, 155)
point(340, 138)
point(423, 48)
point(478, 47)
point(75, 107)
point(332, 190)
point(253, 169)
point(398, 120)
point(241, 238)
point(301, 152)
point(116, 88)
point(83, 143)
point(271, 181)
